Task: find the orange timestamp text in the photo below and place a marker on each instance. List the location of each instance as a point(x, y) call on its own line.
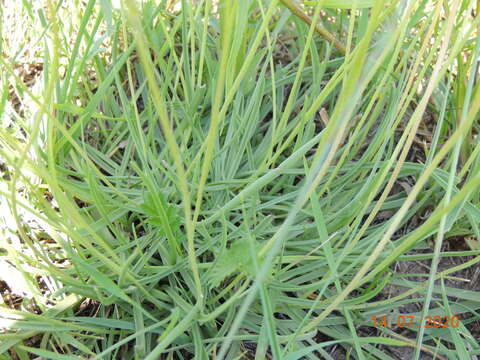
point(408, 321)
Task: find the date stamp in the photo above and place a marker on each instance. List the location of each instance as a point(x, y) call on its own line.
point(409, 321)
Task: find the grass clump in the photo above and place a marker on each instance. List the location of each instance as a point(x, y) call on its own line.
point(236, 179)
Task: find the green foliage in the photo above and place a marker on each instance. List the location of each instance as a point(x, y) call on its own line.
point(238, 178)
point(232, 260)
point(164, 217)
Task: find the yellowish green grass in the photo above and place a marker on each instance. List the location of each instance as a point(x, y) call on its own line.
point(239, 179)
